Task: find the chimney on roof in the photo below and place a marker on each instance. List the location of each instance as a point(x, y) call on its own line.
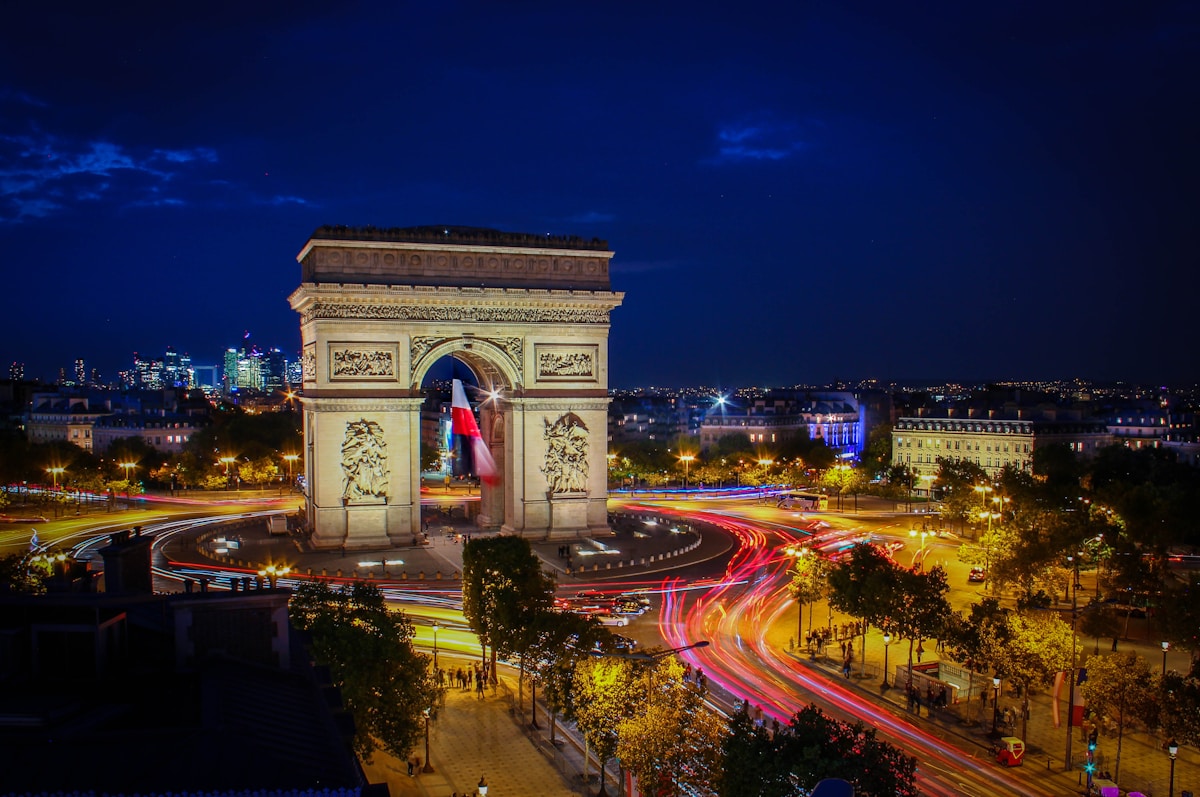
point(127, 563)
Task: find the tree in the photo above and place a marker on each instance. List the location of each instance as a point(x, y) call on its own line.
point(604, 692)
point(957, 481)
point(385, 683)
point(503, 586)
point(1037, 648)
point(260, 471)
point(812, 747)
point(920, 607)
point(877, 454)
point(560, 640)
point(1181, 625)
point(1120, 686)
point(864, 585)
point(673, 740)
point(977, 640)
point(809, 583)
point(752, 766)
point(1178, 702)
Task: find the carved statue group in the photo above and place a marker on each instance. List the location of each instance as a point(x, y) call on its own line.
point(364, 461)
point(566, 463)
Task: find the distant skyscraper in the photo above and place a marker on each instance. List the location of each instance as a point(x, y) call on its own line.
point(62, 376)
point(275, 370)
point(229, 374)
point(147, 373)
point(80, 372)
point(16, 371)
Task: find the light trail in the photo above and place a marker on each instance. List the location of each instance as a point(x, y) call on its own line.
point(741, 663)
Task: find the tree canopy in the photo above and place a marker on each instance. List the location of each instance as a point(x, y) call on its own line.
point(385, 683)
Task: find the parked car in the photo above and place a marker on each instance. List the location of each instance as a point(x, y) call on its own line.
point(976, 575)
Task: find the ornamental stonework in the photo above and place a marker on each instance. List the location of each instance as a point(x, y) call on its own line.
point(512, 347)
point(308, 363)
point(566, 363)
point(566, 462)
point(502, 315)
point(357, 362)
point(364, 461)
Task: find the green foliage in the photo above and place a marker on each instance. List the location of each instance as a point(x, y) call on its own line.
point(1180, 623)
point(1119, 686)
point(504, 587)
point(605, 691)
point(674, 740)
point(385, 683)
point(1178, 701)
point(21, 574)
point(877, 454)
point(812, 747)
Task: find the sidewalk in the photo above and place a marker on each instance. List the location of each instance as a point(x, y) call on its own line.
point(476, 737)
point(1145, 765)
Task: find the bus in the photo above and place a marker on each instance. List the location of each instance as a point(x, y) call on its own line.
point(810, 501)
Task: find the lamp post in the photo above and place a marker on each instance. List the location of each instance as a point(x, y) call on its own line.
point(995, 704)
point(428, 767)
point(55, 472)
point(887, 641)
point(290, 459)
point(128, 466)
point(1172, 750)
point(482, 787)
point(983, 490)
point(686, 459)
point(919, 556)
point(435, 630)
point(1165, 647)
point(227, 461)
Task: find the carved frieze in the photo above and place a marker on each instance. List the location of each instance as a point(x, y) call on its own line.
point(566, 461)
point(566, 363)
point(506, 315)
point(364, 461)
point(308, 363)
point(361, 361)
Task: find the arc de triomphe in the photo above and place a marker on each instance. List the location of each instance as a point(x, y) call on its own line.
point(528, 314)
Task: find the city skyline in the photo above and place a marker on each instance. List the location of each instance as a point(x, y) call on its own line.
point(792, 194)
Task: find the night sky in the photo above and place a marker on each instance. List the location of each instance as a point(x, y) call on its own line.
point(795, 192)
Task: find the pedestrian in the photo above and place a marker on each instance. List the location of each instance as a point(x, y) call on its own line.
point(920, 651)
point(942, 696)
point(929, 694)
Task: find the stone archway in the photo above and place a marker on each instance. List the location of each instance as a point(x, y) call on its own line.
point(528, 314)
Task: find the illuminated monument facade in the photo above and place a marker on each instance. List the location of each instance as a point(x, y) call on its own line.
point(528, 314)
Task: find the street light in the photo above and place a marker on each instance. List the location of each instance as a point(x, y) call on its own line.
point(55, 472)
point(435, 630)
point(428, 767)
point(228, 461)
point(482, 787)
point(290, 459)
point(995, 704)
point(887, 640)
point(919, 555)
point(1165, 646)
point(128, 466)
point(686, 459)
point(1172, 750)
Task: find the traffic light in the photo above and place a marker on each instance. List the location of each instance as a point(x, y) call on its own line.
point(1092, 741)
point(1089, 767)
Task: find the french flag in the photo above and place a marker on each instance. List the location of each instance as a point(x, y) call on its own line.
point(462, 422)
